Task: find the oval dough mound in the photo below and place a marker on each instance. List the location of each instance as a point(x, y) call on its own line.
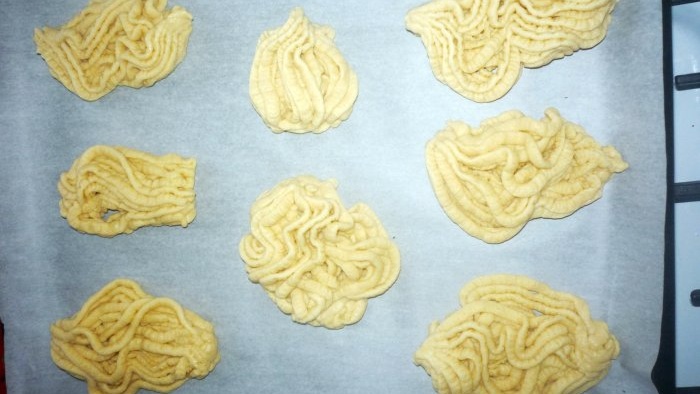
point(114, 190)
point(516, 335)
point(115, 42)
point(493, 179)
point(299, 81)
point(478, 48)
point(317, 260)
point(123, 340)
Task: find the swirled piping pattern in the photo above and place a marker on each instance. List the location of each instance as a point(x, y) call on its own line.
point(493, 179)
point(515, 335)
point(114, 190)
point(123, 340)
point(299, 80)
point(479, 47)
point(317, 260)
point(132, 43)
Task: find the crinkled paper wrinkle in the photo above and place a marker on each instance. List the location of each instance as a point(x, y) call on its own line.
point(478, 48)
point(132, 43)
point(317, 260)
point(299, 80)
point(114, 190)
point(123, 340)
point(493, 179)
point(516, 335)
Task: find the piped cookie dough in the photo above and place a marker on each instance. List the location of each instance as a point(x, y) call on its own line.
point(478, 48)
point(123, 340)
point(318, 261)
point(299, 80)
point(114, 190)
point(109, 43)
point(513, 334)
point(491, 180)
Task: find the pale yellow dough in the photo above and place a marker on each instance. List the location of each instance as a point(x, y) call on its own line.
point(299, 81)
point(516, 335)
point(479, 47)
point(317, 260)
point(493, 179)
point(123, 340)
point(115, 190)
point(115, 42)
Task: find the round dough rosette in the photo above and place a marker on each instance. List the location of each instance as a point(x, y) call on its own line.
point(299, 80)
point(318, 261)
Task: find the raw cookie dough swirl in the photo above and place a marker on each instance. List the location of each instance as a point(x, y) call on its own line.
point(493, 179)
point(115, 190)
point(299, 81)
point(317, 260)
point(516, 335)
point(478, 47)
point(115, 42)
point(123, 340)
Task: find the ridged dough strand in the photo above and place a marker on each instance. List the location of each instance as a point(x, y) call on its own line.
point(515, 335)
point(114, 190)
point(493, 179)
point(123, 340)
point(109, 43)
point(479, 47)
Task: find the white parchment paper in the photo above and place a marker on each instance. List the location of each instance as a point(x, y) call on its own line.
point(610, 252)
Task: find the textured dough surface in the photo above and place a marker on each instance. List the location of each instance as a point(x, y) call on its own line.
point(123, 340)
point(317, 260)
point(515, 335)
point(115, 42)
point(299, 81)
point(493, 179)
point(479, 47)
point(114, 190)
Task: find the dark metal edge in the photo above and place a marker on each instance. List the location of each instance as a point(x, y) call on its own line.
point(663, 373)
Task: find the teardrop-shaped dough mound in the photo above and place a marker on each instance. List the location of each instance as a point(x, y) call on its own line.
point(478, 47)
point(317, 260)
point(132, 43)
point(513, 334)
point(123, 340)
point(299, 81)
point(114, 190)
point(493, 179)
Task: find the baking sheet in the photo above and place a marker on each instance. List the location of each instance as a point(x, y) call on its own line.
point(609, 253)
